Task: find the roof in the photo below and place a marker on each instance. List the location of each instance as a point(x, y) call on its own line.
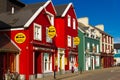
point(4, 24)
point(17, 2)
point(103, 32)
point(117, 46)
point(83, 27)
point(60, 9)
point(7, 45)
point(19, 18)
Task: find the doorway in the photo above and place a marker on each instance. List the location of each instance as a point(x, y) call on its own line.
point(7, 61)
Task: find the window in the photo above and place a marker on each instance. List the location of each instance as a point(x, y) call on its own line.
point(69, 41)
point(47, 62)
point(37, 32)
point(74, 24)
point(97, 48)
point(97, 61)
point(88, 45)
point(69, 21)
point(74, 46)
point(48, 39)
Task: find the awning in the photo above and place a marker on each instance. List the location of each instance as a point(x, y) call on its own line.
point(6, 45)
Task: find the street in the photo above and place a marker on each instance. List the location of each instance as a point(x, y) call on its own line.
point(102, 74)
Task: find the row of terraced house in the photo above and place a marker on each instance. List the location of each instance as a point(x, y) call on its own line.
point(38, 39)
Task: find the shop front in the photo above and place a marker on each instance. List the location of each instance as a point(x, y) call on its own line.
point(8, 56)
point(43, 61)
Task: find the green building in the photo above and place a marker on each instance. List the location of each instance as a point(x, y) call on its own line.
point(89, 47)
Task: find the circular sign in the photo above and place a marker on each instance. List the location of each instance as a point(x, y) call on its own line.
point(51, 31)
point(76, 40)
point(20, 37)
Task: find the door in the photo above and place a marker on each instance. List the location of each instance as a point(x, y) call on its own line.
point(1, 66)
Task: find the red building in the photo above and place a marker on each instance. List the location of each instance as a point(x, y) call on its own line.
point(106, 48)
point(66, 28)
point(26, 47)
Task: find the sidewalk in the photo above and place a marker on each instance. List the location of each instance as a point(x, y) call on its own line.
point(67, 75)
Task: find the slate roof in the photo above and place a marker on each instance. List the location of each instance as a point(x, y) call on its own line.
point(4, 24)
point(117, 46)
point(60, 9)
point(82, 26)
point(103, 32)
point(7, 45)
point(19, 18)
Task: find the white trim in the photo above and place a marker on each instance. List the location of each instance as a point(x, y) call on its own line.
point(45, 5)
point(33, 17)
point(81, 30)
point(13, 29)
point(37, 13)
point(66, 10)
point(33, 62)
point(17, 63)
point(40, 36)
point(13, 42)
point(15, 45)
point(52, 5)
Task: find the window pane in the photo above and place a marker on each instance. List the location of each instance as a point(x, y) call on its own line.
point(37, 32)
point(69, 21)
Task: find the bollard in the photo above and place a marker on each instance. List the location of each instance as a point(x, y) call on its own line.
point(72, 70)
point(54, 75)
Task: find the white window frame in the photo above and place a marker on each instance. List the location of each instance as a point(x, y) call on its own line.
point(88, 45)
point(48, 63)
point(48, 39)
point(37, 32)
point(97, 48)
point(69, 20)
point(74, 24)
point(69, 40)
point(74, 46)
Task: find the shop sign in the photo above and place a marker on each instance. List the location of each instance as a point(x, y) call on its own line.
point(20, 38)
point(51, 31)
point(76, 40)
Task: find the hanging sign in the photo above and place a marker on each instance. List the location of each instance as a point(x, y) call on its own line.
point(51, 31)
point(20, 38)
point(76, 40)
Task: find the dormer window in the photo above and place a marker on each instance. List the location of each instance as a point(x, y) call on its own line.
point(13, 10)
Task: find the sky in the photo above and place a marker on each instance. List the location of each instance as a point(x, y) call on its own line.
point(106, 12)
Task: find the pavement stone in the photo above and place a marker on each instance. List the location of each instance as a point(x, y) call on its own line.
point(75, 74)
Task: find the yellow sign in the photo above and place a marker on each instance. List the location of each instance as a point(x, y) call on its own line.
point(20, 37)
point(76, 40)
point(51, 31)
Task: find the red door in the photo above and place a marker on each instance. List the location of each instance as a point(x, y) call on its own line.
point(1, 66)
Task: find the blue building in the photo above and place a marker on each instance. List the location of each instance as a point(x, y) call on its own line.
point(117, 53)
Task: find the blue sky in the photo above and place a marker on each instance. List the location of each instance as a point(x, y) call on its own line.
point(106, 12)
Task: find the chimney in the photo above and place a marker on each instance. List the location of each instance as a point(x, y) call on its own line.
point(84, 21)
point(100, 26)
